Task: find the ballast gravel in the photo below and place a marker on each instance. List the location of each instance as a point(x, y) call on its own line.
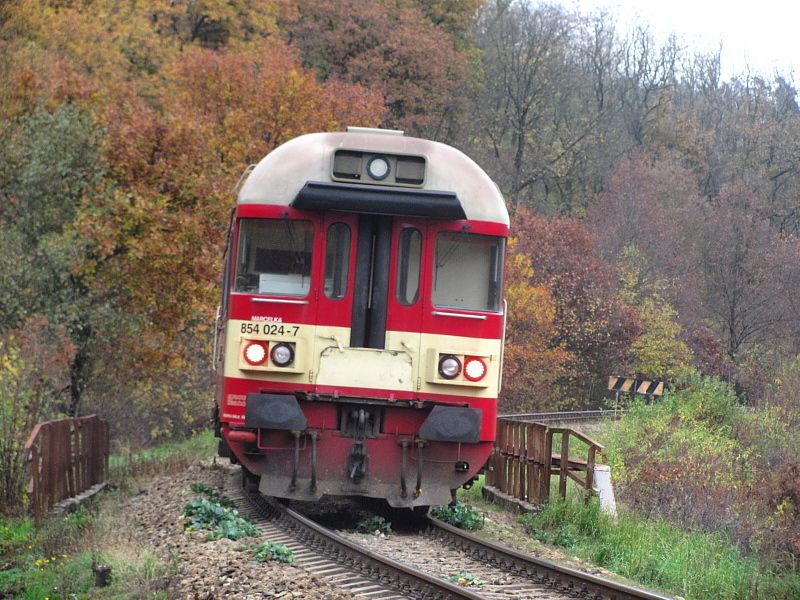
point(208, 570)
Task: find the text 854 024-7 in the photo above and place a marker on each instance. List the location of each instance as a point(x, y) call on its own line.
point(270, 329)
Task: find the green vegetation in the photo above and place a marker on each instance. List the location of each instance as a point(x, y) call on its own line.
point(473, 493)
point(466, 579)
point(462, 516)
point(171, 457)
point(698, 459)
point(713, 494)
point(656, 553)
point(220, 521)
point(57, 560)
point(272, 551)
point(212, 494)
point(14, 534)
point(374, 524)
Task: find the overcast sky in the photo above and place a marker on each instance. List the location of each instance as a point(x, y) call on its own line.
point(760, 36)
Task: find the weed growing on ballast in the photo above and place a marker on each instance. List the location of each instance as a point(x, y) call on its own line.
point(272, 551)
point(375, 525)
point(206, 490)
point(216, 515)
point(462, 516)
point(464, 578)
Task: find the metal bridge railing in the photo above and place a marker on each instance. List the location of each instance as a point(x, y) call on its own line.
point(65, 458)
point(566, 417)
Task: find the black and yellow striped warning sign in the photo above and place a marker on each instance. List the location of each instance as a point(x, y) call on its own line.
point(635, 386)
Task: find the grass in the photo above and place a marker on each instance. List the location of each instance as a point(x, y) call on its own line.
point(171, 457)
point(696, 566)
point(473, 494)
point(658, 554)
point(57, 559)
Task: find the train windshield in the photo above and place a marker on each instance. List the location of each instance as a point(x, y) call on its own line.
point(274, 257)
point(468, 271)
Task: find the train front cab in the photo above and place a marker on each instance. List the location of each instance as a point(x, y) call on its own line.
point(362, 351)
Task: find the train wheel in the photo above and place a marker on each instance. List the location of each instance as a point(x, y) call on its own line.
point(420, 511)
point(250, 481)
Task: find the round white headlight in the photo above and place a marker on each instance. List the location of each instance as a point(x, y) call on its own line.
point(449, 366)
point(378, 168)
point(282, 355)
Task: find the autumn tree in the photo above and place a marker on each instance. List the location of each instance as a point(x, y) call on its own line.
point(592, 324)
point(543, 120)
point(647, 76)
point(525, 52)
point(34, 371)
point(749, 274)
point(49, 165)
point(151, 119)
point(412, 53)
point(652, 207)
point(659, 350)
point(533, 362)
point(215, 23)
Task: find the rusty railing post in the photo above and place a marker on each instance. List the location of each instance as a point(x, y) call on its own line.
point(562, 475)
point(590, 470)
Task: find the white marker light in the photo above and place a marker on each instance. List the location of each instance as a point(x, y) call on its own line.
point(378, 168)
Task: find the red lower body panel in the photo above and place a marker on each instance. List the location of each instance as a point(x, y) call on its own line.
point(421, 474)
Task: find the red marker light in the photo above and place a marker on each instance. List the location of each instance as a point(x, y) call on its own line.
point(474, 368)
point(255, 353)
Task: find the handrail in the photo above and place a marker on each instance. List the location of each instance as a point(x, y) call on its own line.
point(581, 436)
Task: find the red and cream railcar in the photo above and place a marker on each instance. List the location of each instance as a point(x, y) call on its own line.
point(360, 338)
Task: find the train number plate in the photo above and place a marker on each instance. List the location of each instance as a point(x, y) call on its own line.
point(270, 329)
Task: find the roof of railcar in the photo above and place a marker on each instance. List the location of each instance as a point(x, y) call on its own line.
point(281, 174)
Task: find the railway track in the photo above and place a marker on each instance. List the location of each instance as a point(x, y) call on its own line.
point(326, 554)
point(369, 572)
point(574, 416)
point(543, 572)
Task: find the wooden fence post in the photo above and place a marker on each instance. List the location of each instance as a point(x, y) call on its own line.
point(562, 475)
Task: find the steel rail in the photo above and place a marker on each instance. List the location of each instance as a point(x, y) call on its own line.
point(566, 417)
point(558, 577)
point(385, 571)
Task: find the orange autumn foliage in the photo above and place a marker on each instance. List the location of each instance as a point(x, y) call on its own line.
point(533, 361)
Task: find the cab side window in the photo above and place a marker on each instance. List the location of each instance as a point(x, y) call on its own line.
point(408, 262)
point(337, 260)
point(468, 271)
